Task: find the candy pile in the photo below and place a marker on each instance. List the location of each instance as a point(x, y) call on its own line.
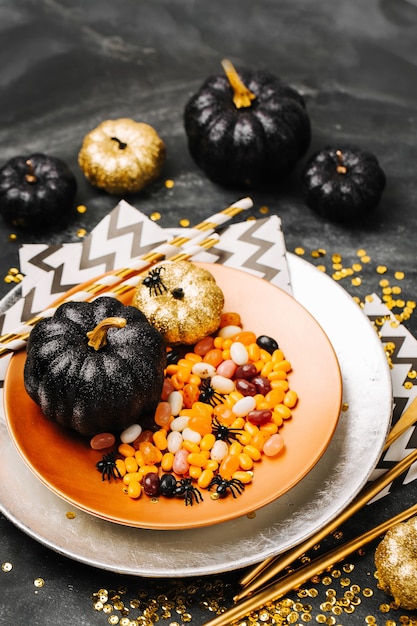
point(221, 409)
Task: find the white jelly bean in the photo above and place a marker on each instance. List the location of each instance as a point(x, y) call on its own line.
point(174, 441)
point(175, 400)
point(221, 384)
point(131, 433)
point(238, 353)
point(244, 406)
point(203, 370)
point(179, 423)
point(229, 331)
point(219, 450)
point(188, 434)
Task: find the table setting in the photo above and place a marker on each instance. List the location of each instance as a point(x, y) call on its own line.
point(322, 261)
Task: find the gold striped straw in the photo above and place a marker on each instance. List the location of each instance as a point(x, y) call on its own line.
point(278, 589)
point(264, 572)
point(115, 281)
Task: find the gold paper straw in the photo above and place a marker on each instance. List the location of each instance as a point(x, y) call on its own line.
point(278, 589)
point(110, 281)
point(272, 567)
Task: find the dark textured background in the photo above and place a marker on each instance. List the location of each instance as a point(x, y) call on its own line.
point(67, 65)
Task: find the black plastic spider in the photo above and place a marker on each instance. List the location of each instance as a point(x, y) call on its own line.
point(107, 466)
point(223, 432)
point(154, 282)
point(208, 395)
point(224, 486)
point(185, 488)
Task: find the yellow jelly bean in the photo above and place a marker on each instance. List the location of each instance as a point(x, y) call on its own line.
point(167, 461)
point(131, 464)
point(244, 477)
point(205, 478)
point(128, 478)
point(134, 489)
point(245, 461)
point(196, 458)
point(207, 441)
point(291, 399)
point(125, 449)
point(253, 452)
point(195, 472)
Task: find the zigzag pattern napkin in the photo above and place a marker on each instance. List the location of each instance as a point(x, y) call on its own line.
point(255, 246)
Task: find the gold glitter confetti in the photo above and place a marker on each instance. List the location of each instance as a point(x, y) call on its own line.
point(12, 237)
point(155, 216)
point(300, 251)
point(356, 281)
point(6, 567)
point(381, 269)
point(81, 208)
point(399, 275)
point(264, 210)
point(13, 276)
point(39, 582)
point(169, 184)
point(81, 232)
point(184, 222)
point(70, 515)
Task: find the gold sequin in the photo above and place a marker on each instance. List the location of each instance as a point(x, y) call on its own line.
point(70, 515)
point(155, 216)
point(6, 567)
point(39, 582)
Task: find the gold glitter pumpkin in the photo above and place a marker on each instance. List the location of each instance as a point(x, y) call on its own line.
point(396, 563)
point(122, 156)
point(182, 300)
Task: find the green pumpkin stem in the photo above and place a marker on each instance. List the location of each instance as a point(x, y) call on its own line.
point(30, 176)
point(98, 336)
point(242, 96)
point(122, 145)
point(341, 167)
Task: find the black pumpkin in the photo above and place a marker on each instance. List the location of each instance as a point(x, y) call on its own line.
point(95, 366)
point(36, 191)
point(343, 183)
point(246, 129)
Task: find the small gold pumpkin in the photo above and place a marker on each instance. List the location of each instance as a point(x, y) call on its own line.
point(122, 156)
point(396, 563)
point(181, 300)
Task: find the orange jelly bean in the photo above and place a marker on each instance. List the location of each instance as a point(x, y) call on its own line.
point(230, 319)
point(201, 424)
point(214, 357)
point(229, 465)
point(163, 416)
point(191, 394)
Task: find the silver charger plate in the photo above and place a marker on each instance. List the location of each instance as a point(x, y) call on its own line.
point(328, 488)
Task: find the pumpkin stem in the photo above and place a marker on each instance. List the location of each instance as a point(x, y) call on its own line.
point(98, 336)
point(30, 176)
point(341, 167)
point(122, 145)
point(242, 96)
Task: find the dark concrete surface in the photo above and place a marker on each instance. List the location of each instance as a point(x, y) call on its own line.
point(66, 65)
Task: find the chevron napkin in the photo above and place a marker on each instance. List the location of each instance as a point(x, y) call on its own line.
point(254, 246)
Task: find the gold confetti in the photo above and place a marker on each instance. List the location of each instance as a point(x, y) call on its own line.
point(300, 251)
point(81, 232)
point(184, 222)
point(381, 269)
point(6, 567)
point(81, 208)
point(12, 237)
point(356, 281)
point(399, 275)
point(155, 216)
point(264, 210)
point(39, 582)
point(169, 184)
point(70, 515)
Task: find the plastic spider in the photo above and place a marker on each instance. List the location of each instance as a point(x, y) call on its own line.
point(223, 432)
point(208, 395)
point(224, 486)
point(154, 282)
point(185, 488)
point(108, 468)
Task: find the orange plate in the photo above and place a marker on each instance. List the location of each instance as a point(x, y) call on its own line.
point(64, 461)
